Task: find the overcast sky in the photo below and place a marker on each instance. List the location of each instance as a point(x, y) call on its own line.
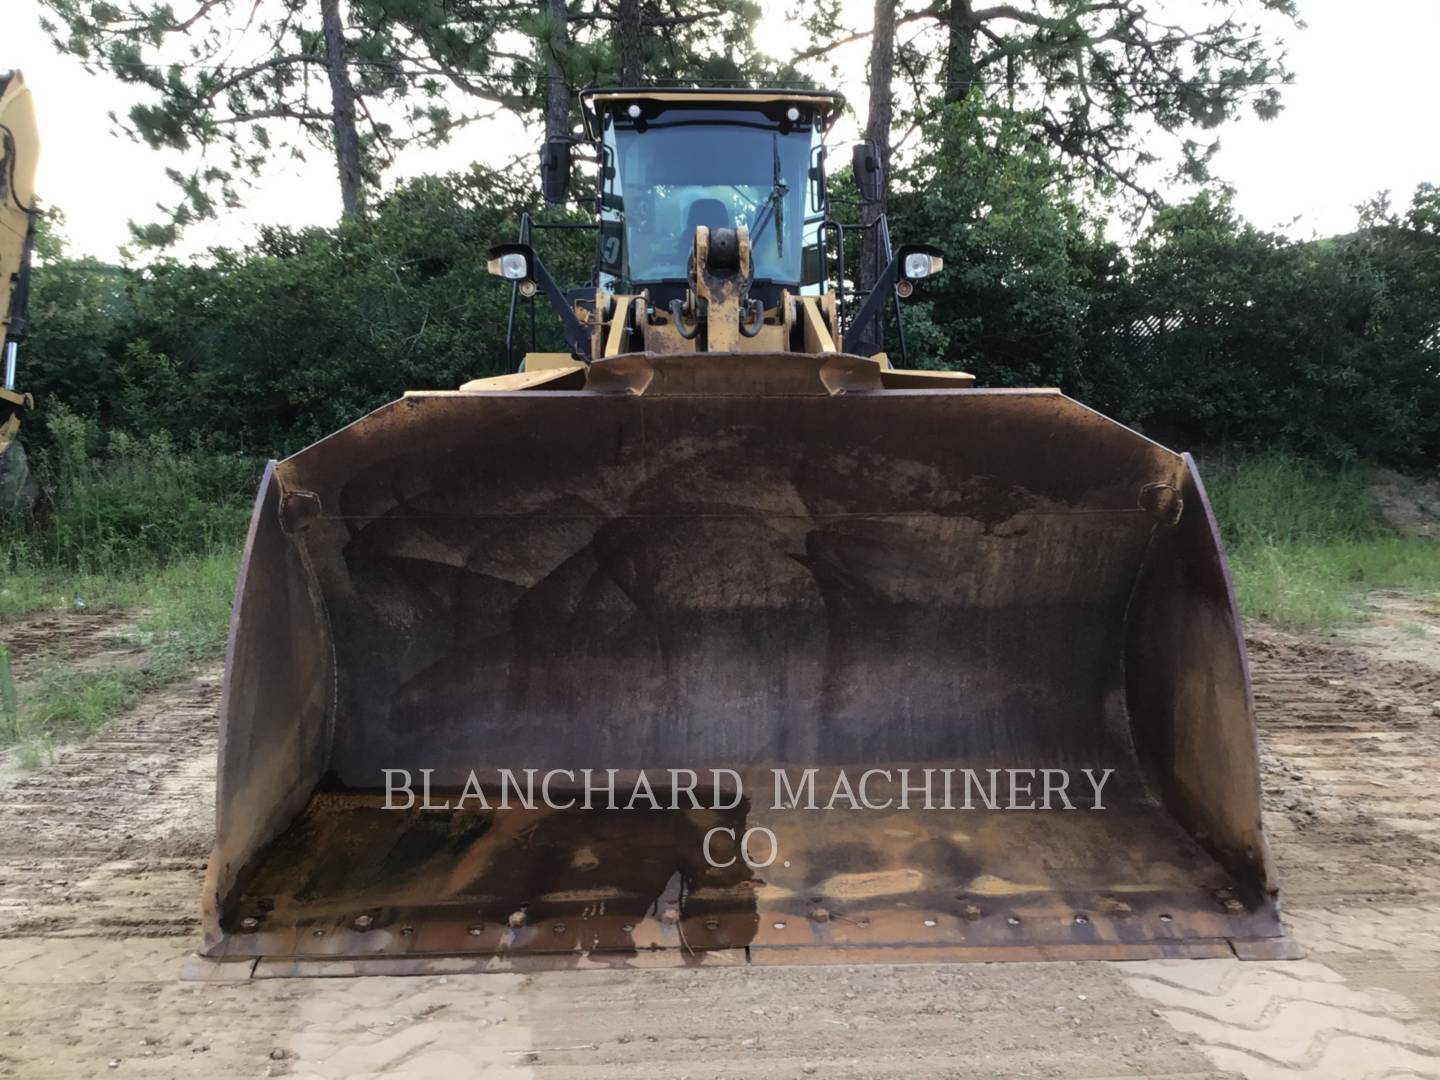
point(1360, 118)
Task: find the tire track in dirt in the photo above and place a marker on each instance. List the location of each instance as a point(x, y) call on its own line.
point(1351, 754)
point(111, 836)
point(1298, 1019)
point(1349, 749)
point(101, 857)
point(77, 638)
point(111, 839)
point(140, 784)
point(71, 636)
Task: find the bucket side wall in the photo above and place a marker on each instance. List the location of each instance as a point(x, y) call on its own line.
point(276, 701)
point(1191, 708)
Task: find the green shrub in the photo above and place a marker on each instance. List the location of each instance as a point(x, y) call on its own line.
point(139, 502)
point(1280, 498)
point(1306, 542)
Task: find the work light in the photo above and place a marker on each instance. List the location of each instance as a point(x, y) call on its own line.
point(918, 264)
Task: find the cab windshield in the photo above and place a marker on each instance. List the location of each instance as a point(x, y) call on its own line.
point(690, 167)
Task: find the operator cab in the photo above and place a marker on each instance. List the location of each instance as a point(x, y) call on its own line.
point(714, 234)
point(673, 160)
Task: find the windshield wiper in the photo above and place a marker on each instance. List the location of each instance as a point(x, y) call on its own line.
point(775, 204)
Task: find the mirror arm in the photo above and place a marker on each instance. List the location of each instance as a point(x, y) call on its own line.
point(575, 333)
point(857, 333)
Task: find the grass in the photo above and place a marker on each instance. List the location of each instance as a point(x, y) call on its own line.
point(186, 610)
point(1306, 543)
point(181, 615)
point(69, 702)
point(27, 589)
point(136, 527)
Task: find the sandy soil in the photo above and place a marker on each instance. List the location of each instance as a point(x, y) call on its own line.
point(101, 856)
point(1407, 504)
point(1401, 626)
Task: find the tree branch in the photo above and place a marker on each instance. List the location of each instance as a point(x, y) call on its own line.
point(932, 12)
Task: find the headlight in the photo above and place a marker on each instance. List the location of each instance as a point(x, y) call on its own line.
point(513, 267)
point(917, 265)
point(512, 262)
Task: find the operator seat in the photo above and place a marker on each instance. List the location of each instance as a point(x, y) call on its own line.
point(712, 213)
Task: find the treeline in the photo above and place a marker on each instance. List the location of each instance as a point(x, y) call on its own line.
point(1205, 331)
point(264, 349)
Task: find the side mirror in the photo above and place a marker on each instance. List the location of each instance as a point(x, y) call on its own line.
point(869, 171)
point(812, 265)
point(818, 193)
point(514, 262)
point(555, 169)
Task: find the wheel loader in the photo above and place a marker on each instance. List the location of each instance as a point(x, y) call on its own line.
point(716, 634)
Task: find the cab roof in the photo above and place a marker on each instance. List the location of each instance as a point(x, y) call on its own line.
point(598, 100)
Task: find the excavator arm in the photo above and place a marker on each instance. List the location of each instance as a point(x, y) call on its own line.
point(19, 151)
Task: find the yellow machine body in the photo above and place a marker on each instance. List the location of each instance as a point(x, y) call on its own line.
point(19, 153)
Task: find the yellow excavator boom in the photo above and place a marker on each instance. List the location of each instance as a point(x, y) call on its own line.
point(19, 152)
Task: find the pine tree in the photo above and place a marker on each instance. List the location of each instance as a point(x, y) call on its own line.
point(1096, 79)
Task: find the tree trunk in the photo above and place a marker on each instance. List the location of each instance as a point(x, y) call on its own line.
point(557, 93)
point(342, 111)
point(877, 131)
point(631, 44)
point(960, 71)
point(882, 76)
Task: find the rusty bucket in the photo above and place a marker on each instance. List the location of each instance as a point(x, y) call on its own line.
point(742, 584)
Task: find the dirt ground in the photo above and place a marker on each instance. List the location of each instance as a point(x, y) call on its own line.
point(1407, 504)
point(102, 852)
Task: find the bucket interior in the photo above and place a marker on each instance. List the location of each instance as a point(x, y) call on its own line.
point(792, 579)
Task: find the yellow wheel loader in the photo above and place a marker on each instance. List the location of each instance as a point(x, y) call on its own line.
point(19, 151)
point(717, 637)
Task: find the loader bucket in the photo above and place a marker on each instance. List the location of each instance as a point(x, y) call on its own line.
point(710, 575)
